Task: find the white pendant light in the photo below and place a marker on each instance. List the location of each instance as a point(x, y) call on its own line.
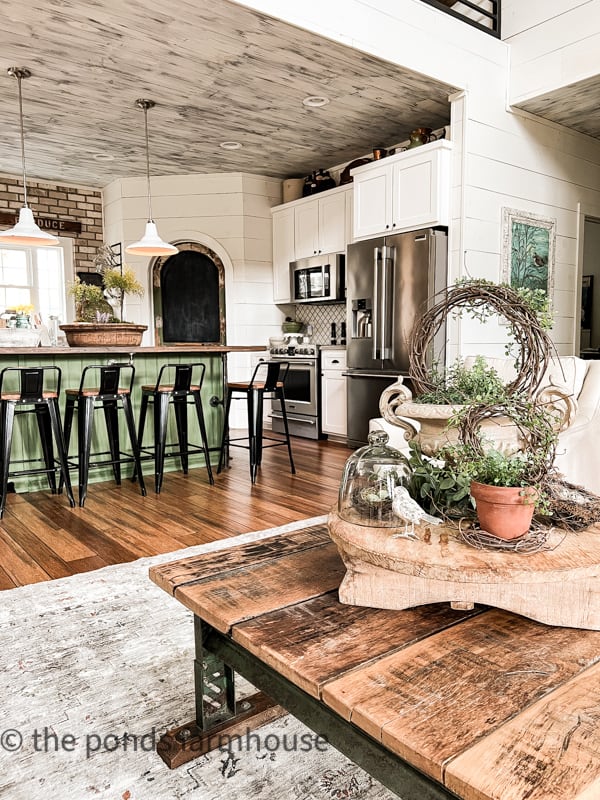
point(25, 232)
point(150, 244)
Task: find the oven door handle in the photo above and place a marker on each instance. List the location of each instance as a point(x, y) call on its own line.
point(296, 363)
point(292, 418)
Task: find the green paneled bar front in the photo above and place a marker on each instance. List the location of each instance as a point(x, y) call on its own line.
point(147, 362)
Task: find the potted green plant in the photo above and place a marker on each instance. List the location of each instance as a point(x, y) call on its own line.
point(506, 488)
point(95, 320)
point(90, 303)
point(118, 283)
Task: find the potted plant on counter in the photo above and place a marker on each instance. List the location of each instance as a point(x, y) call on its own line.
point(95, 320)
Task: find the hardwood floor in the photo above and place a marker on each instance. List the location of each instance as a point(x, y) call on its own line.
point(42, 538)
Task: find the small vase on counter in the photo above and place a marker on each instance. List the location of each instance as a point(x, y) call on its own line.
point(23, 321)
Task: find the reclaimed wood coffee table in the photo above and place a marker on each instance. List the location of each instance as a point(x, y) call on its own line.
point(435, 703)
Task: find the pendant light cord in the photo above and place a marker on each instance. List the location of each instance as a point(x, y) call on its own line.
point(19, 79)
point(148, 163)
point(19, 74)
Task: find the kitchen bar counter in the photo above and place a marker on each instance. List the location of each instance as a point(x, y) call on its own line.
point(147, 362)
point(202, 349)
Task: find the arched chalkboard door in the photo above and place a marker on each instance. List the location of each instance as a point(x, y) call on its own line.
point(189, 296)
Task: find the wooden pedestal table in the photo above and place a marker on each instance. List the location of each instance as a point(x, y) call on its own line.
point(557, 586)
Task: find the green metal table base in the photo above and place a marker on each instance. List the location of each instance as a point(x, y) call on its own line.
point(217, 656)
point(218, 717)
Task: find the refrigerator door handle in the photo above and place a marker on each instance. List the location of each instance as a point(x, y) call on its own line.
point(376, 304)
point(386, 301)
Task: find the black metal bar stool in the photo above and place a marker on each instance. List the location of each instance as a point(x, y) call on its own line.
point(181, 382)
point(267, 379)
point(100, 386)
point(33, 390)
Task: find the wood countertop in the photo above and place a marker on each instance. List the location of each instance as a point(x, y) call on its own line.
point(200, 349)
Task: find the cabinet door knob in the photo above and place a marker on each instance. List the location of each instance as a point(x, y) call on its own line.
point(387, 226)
point(335, 361)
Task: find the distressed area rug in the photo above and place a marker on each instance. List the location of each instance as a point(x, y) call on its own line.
point(96, 667)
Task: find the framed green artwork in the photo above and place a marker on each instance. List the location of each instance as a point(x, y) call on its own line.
point(528, 245)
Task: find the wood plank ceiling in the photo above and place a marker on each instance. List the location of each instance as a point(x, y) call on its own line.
point(217, 72)
point(577, 106)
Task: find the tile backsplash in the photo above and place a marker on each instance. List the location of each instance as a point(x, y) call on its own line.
point(320, 316)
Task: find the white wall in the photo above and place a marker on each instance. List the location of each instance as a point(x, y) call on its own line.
point(501, 158)
point(554, 43)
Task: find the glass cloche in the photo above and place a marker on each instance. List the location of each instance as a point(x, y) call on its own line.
point(370, 476)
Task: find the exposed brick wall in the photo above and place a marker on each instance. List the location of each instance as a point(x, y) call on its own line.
point(76, 203)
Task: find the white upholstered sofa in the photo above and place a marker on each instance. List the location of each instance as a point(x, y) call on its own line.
point(578, 452)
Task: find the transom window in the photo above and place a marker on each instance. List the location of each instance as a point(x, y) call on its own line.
point(33, 276)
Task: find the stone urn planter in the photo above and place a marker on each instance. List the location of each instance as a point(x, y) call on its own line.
point(427, 423)
point(109, 334)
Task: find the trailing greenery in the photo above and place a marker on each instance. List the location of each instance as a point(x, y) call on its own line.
point(497, 469)
point(480, 397)
point(90, 302)
point(438, 486)
point(460, 384)
point(119, 282)
point(475, 458)
point(122, 281)
point(536, 300)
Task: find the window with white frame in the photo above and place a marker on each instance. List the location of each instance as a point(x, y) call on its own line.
point(35, 276)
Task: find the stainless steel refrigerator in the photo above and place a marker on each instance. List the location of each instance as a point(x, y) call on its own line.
point(389, 283)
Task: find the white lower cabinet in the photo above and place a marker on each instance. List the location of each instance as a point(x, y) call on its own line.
point(333, 392)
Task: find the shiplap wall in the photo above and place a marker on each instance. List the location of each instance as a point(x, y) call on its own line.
point(230, 213)
point(501, 158)
point(553, 43)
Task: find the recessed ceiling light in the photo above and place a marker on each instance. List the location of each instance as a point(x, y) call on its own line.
point(103, 157)
point(230, 145)
point(315, 101)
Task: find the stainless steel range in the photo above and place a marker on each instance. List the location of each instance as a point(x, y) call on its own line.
point(301, 388)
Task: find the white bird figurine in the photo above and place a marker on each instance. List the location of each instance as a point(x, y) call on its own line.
point(410, 511)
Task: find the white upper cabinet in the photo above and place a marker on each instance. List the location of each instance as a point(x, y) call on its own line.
point(305, 228)
point(332, 221)
point(404, 192)
point(372, 201)
point(283, 253)
point(321, 224)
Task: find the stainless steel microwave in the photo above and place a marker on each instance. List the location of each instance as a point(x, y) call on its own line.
point(318, 278)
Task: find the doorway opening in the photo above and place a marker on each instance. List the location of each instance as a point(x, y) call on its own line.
point(589, 328)
point(189, 296)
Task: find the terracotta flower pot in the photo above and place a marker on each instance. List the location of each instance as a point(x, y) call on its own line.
point(504, 511)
